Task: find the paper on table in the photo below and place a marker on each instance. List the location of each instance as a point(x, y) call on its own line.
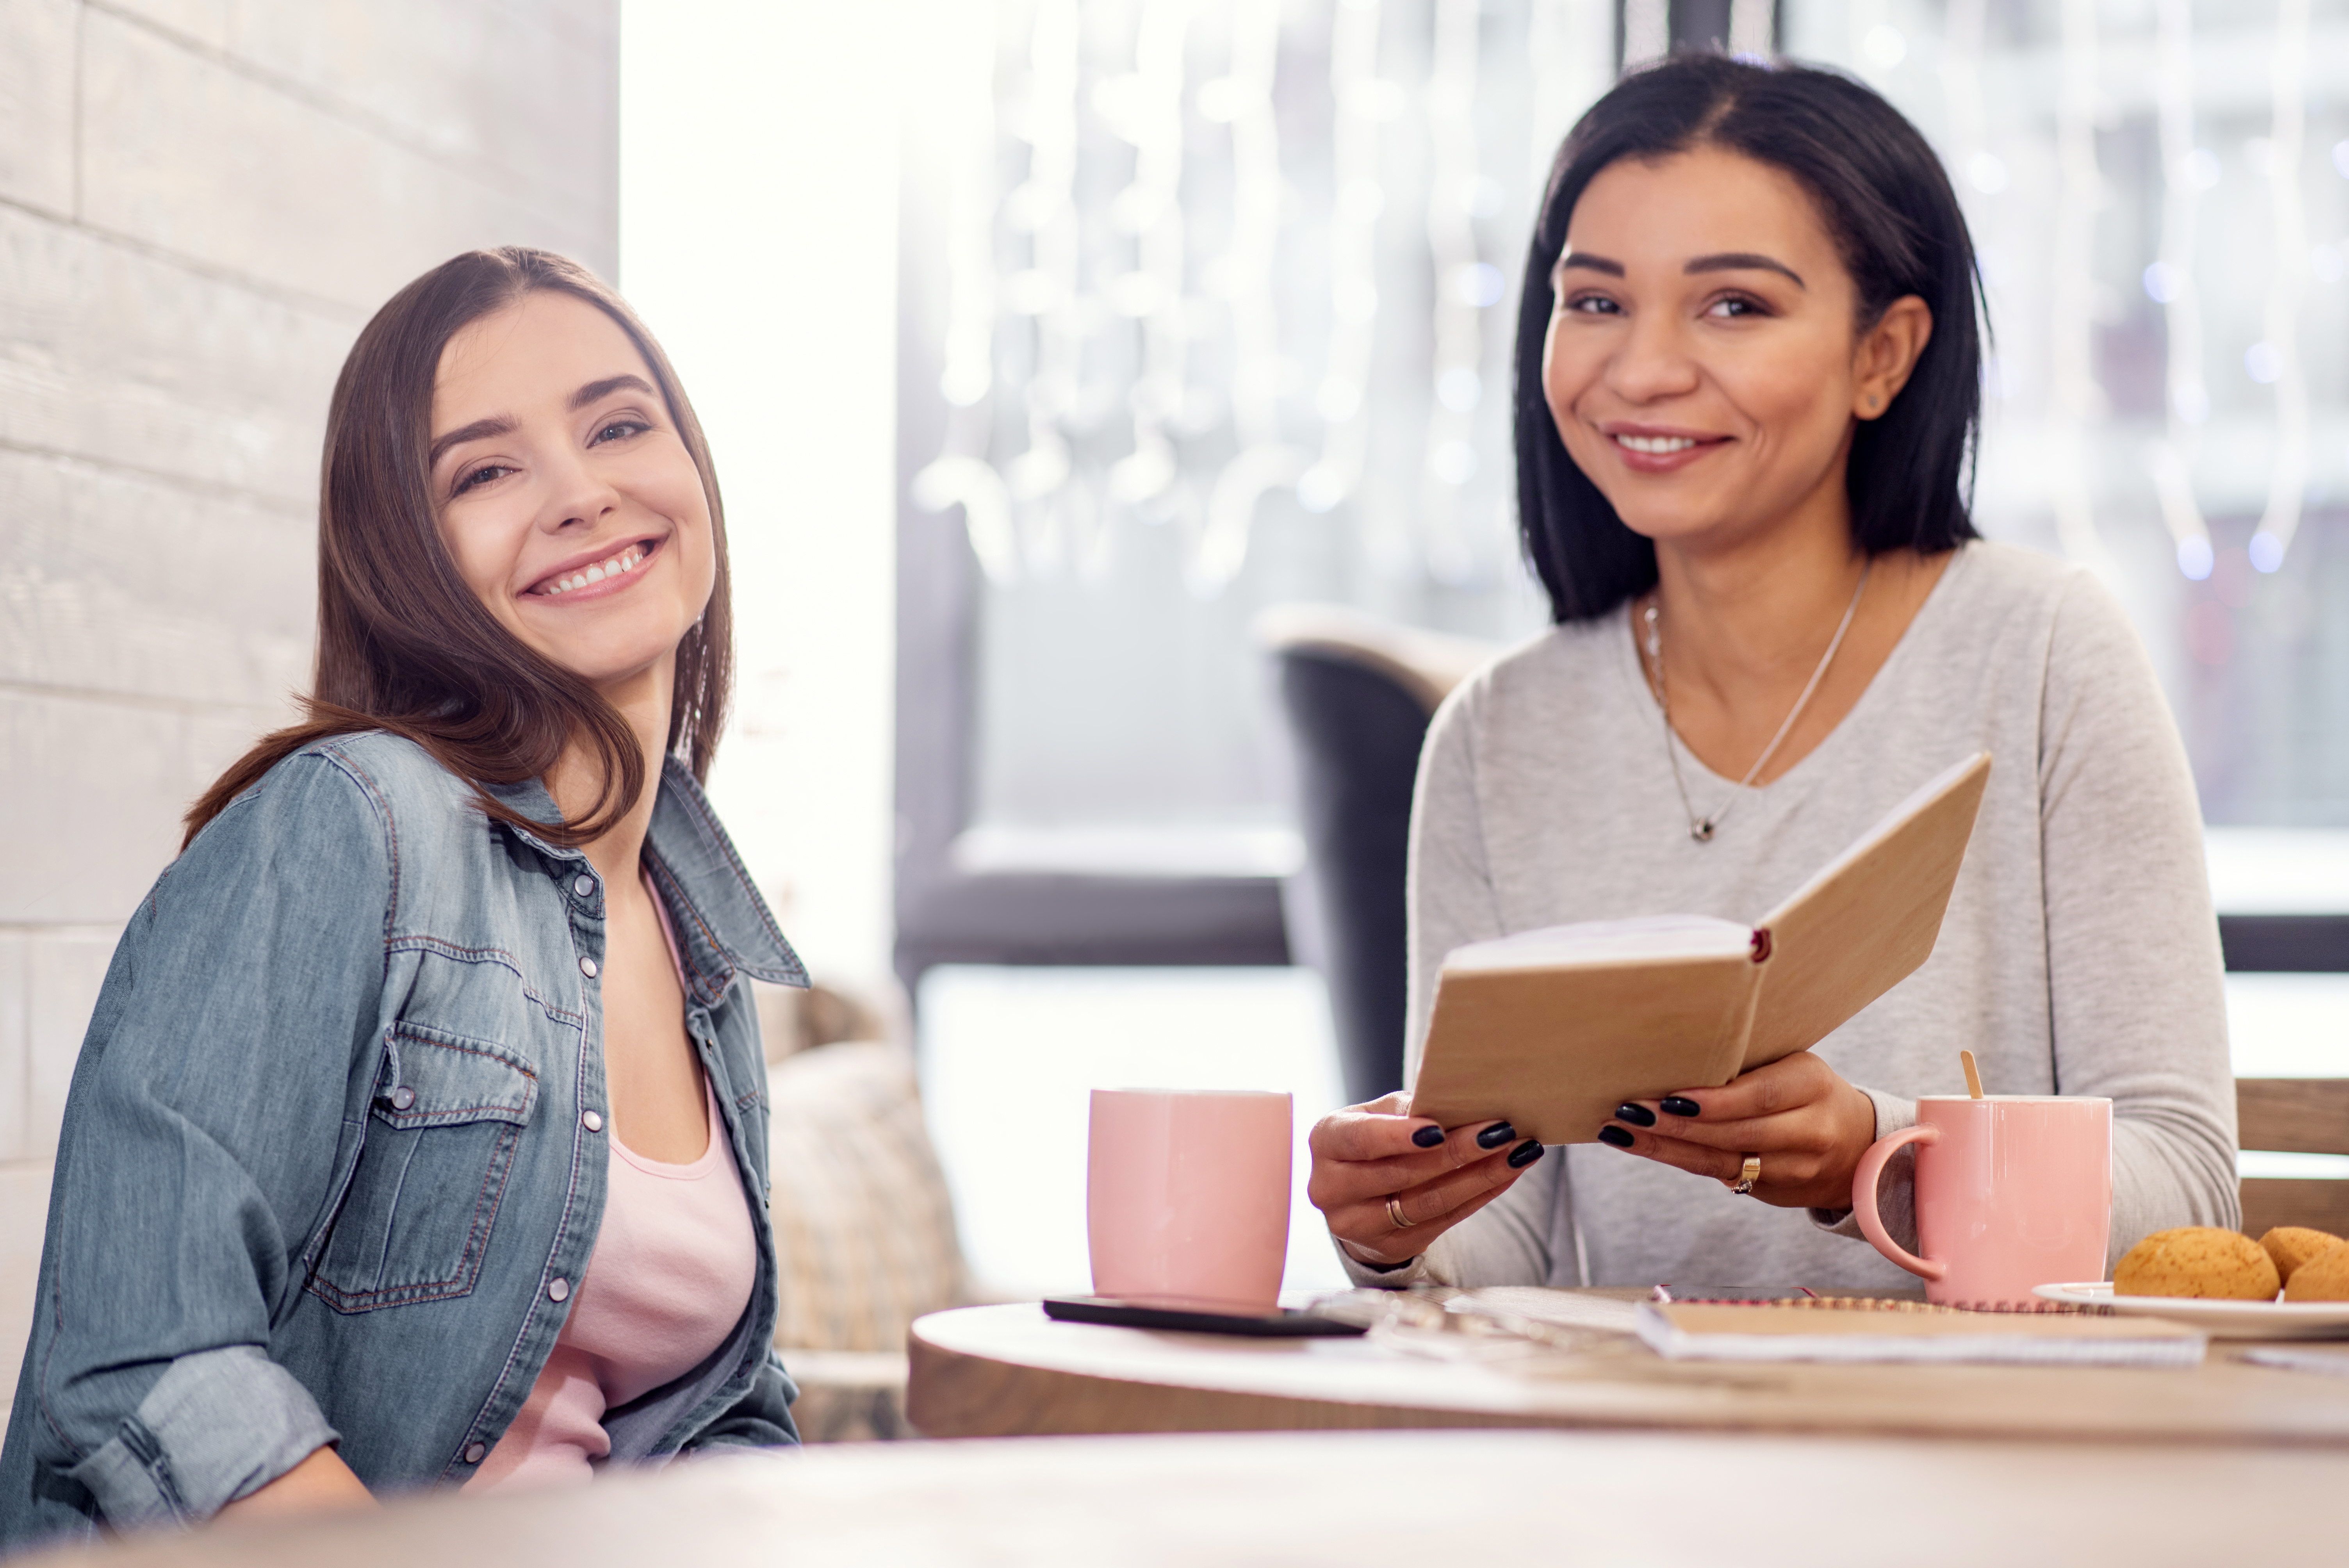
point(2331, 1363)
point(1684, 1331)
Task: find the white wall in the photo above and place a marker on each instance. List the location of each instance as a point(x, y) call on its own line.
point(201, 202)
point(758, 239)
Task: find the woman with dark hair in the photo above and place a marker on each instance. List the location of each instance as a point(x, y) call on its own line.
point(1747, 390)
point(420, 1135)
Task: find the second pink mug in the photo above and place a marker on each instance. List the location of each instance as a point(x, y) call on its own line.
point(1186, 1195)
point(2012, 1192)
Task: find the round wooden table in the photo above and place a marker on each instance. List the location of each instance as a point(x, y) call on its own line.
point(1354, 1499)
point(1002, 1371)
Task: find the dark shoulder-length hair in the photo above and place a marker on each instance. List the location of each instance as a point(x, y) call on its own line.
point(403, 644)
point(1898, 229)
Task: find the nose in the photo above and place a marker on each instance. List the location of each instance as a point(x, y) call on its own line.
point(576, 497)
point(1652, 362)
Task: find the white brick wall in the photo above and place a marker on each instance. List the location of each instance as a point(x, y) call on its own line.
point(201, 200)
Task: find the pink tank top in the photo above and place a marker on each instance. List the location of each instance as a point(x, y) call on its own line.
point(671, 1274)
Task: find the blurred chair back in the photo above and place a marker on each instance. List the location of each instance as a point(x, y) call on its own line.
point(2295, 1116)
point(2291, 1116)
point(1358, 692)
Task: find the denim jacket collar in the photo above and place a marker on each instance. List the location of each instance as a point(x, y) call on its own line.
point(725, 928)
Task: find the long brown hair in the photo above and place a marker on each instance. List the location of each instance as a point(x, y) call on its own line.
point(403, 644)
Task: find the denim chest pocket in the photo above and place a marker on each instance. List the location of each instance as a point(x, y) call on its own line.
point(415, 1225)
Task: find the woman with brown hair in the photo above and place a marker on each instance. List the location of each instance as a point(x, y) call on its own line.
point(419, 1134)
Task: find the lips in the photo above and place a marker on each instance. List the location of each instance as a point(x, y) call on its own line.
point(580, 576)
point(1654, 451)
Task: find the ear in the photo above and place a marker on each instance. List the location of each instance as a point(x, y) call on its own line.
point(1886, 353)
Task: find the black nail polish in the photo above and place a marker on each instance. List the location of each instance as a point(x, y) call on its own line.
point(1638, 1115)
point(1493, 1137)
point(1681, 1105)
point(1428, 1137)
point(1525, 1154)
point(1619, 1137)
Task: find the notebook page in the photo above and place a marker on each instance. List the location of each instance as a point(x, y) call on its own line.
point(1655, 937)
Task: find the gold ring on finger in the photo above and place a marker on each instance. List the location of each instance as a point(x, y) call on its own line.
point(1747, 1174)
point(1395, 1213)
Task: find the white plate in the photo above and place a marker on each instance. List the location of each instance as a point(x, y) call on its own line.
point(2219, 1319)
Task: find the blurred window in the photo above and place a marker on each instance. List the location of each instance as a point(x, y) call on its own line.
point(2159, 190)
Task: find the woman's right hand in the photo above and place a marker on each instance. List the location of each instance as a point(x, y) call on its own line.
point(1366, 1154)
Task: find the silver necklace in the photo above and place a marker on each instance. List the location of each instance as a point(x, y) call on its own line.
point(1701, 828)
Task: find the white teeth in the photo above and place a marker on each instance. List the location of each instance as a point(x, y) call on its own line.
point(1657, 444)
point(628, 559)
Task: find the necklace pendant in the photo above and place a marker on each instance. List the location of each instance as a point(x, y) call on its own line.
point(1702, 829)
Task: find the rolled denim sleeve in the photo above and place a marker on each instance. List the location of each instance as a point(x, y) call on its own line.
point(216, 1091)
point(216, 1426)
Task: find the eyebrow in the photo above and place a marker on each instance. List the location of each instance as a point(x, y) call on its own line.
point(1744, 261)
point(479, 429)
point(606, 387)
point(482, 430)
point(1726, 262)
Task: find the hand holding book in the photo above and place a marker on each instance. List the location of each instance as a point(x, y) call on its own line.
point(1553, 1030)
point(1389, 1182)
point(1808, 1125)
point(1683, 1039)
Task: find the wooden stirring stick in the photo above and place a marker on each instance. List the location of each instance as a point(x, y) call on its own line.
point(1973, 1074)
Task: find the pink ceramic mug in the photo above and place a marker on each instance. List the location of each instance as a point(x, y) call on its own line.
point(1186, 1195)
point(2012, 1192)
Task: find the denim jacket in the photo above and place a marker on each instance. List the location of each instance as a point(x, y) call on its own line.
point(334, 1156)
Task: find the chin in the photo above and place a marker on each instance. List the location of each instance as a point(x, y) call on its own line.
point(1671, 524)
point(606, 662)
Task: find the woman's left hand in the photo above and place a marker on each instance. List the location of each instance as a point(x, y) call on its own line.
point(1808, 1125)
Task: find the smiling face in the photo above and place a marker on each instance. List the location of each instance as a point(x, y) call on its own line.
point(567, 500)
point(1705, 362)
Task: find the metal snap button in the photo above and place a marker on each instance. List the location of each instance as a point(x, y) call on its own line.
point(592, 1121)
point(584, 887)
point(476, 1452)
point(587, 967)
point(402, 1097)
point(558, 1290)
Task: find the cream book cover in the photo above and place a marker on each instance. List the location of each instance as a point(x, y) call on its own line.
point(1552, 1029)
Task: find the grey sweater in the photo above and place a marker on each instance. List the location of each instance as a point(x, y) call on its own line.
point(2079, 955)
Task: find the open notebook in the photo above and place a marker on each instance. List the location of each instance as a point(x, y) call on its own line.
point(1550, 1030)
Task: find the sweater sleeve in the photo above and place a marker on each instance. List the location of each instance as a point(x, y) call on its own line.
point(1449, 887)
point(2136, 988)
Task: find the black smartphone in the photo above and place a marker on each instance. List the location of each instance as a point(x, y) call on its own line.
point(1274, 1323)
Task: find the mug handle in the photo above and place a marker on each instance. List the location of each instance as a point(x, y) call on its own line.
point(1863, 1199)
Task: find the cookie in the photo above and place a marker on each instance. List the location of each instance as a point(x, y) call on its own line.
point(2292, 1246)
point(2198, 1260)
point(2324, 1277)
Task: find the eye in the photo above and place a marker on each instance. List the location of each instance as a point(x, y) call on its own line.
point(479, 475)
point(1729, 307)
point(1592, 304)
point(618, 430)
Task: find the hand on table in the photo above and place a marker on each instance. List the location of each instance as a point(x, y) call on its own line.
point(1366, 1154)
point(1807, 1124)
